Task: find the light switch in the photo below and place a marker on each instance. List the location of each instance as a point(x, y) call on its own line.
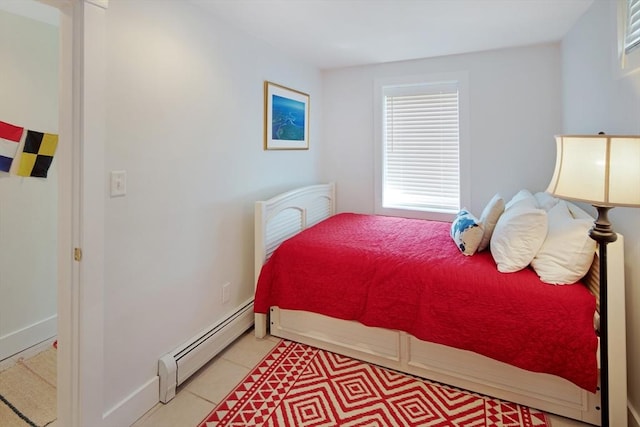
point(118, 183)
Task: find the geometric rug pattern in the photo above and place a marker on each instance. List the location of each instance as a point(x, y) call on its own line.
point(300, 386)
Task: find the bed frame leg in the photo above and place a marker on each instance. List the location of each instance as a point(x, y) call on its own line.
point(260, 326)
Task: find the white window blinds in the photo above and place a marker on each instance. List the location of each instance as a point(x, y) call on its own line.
point(632, 32)
point(421, 167)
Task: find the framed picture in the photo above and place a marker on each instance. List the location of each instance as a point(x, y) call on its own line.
point(286, 118)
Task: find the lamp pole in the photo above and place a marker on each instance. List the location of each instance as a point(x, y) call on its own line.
point(603, 233)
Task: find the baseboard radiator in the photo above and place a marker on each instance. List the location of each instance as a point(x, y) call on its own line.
point(176, 367)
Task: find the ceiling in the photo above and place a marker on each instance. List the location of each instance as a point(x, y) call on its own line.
point(32, 9)
point(342, 33)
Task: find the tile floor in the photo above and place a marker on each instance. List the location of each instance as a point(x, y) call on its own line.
point(204, 390)
point(200, 394)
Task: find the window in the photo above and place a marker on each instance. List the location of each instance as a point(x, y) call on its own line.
point(628, 36)
point(632, 27)
point(419, 148)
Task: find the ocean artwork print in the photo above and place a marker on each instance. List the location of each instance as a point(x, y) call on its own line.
point(287, 120)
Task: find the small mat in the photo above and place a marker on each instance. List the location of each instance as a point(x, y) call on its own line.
point(28, 392)
point(297, 385)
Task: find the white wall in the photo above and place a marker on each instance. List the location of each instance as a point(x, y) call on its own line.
point(28, 206)
point(597, 98)
point(515, 109)
point(185, 120)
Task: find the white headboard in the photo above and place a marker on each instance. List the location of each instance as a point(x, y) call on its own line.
point(287, 214)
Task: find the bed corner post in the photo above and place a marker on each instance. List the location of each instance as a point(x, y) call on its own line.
point(260, 325)
point(260, 319)
point(332, 186)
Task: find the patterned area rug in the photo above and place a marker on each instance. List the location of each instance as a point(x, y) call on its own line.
point(297, 385)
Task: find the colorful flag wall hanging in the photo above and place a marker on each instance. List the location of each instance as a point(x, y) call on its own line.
point(37, 154)
point(10, 137)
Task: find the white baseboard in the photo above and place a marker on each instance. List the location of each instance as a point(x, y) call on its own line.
point(22, 339)
point(634, 416)
point(134, 406)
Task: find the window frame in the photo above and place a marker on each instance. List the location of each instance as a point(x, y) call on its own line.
point(628, 62)
point(636, 22)
point(461, 78)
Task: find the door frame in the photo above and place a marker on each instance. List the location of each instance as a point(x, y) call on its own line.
point(81, 192)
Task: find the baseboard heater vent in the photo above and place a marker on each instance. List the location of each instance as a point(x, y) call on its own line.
point(176, 367)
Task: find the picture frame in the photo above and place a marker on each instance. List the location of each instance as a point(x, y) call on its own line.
point(286, 118)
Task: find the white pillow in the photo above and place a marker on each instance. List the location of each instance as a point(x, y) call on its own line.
point(518, 236)
point(522, 197)
point(489, 218)
point(567, 252)
point(545, 200)
point(466, 232)
point(578, 212)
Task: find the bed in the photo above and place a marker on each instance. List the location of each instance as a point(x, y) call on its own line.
point(434, 343)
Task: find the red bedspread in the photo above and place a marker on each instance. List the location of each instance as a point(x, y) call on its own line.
point(408, 275)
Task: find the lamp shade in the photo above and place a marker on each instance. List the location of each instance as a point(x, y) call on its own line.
point(603, 170)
